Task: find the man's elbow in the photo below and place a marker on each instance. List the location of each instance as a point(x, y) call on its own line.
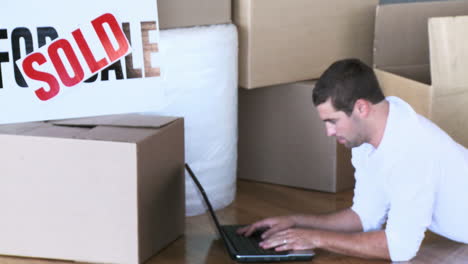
point(402, 247)
point(406, 255)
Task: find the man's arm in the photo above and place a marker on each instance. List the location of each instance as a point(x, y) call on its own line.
point(344, 221)
point(365, 245)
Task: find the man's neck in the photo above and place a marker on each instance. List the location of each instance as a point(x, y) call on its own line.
point(378, 123)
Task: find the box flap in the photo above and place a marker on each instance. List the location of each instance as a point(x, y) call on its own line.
point(118, 128)
point(449, 54)
point(126, 120)
point(49, 130)
point(401, 43)
point(118, 134)
point(21, 128)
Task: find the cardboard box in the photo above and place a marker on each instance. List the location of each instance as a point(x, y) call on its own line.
point(287, 41)
point(401, 43)
point(282, 140)
point(440, 94)
point(107, 189)
point(186, 13)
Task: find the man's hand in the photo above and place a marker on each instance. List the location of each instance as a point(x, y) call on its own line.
point(344, 221)
point(293, 239)
point(273, 225)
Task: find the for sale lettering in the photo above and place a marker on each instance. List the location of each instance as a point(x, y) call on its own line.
point(71, 60)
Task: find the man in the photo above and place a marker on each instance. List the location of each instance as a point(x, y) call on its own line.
point(409, 174)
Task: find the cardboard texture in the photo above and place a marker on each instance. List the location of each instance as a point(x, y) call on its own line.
point(401, 43)
point(288, 41)
point(282, 140)
point(86, 190)
point(444, 101)
point(186, 13)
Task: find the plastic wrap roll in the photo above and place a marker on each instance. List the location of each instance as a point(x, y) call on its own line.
point(199, 72)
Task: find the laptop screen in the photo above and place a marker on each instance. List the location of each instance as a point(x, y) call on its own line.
point(205, 197)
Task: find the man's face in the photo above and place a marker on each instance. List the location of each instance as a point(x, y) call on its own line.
point(348, 130)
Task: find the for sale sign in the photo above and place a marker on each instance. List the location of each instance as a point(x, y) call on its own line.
point(61, 59)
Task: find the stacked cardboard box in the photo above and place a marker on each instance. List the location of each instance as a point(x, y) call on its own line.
point(281, 138)
point(288, 41)
point(186, 13)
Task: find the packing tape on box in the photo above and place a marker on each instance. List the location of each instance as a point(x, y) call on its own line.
point(199, 72)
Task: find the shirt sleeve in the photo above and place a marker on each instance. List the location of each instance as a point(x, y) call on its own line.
point(412, 193)
point(369, 201)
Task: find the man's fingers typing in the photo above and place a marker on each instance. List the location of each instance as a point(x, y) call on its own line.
point(249, 230)
point(242, 230)
point(270, 232)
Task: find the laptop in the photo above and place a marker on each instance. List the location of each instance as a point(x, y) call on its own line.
point(246, 249)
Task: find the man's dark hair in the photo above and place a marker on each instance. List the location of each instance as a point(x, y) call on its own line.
point(345, 82)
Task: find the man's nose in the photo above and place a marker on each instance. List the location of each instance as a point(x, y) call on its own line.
point(330, 130)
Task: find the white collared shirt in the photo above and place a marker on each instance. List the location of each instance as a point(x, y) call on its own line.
point(416, 179)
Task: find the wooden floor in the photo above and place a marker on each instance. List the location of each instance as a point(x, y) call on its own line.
point(256, 200)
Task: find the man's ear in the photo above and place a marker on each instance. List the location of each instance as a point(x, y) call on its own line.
point(362, 108)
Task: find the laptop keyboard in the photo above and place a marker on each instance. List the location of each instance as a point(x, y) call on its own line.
point(247, 245)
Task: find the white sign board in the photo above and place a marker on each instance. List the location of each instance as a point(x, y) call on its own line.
point(65, 59)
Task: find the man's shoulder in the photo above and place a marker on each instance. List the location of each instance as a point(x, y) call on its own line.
point(416, 130)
